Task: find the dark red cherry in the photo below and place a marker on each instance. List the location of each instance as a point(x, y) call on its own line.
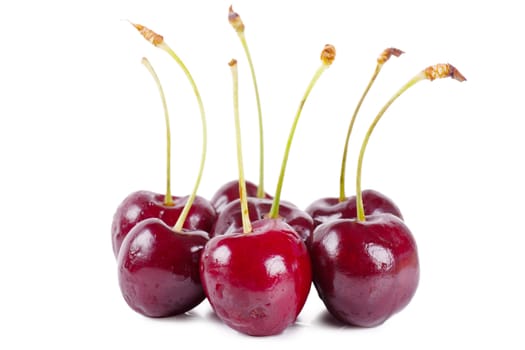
point(230, 192)
point(257, 283)
point(230, 219)
point(327, 209)
point(365, 271)
point(142, 205)
point(158, 269)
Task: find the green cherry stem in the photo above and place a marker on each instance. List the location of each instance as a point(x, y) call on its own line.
point(430, 73)
point(237, 24)
point(158, 41)
point(168, 200)
point(381, 60)
point(246, 224)
point(327, 57)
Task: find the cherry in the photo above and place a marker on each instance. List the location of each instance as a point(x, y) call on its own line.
point(158, 265)
point(230, 191)
point(257, 278)
point(141, 205)
point(158, 268)
point(343, 207)
point(332, 208)
point(257, 283)
point(366, 269)
point(229, 219)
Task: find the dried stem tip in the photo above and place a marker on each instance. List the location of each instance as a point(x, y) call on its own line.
point(149, 34)
point(387, 53)
point(443, 70)
point(233, 62)
point(235, 20)
point(328, 54)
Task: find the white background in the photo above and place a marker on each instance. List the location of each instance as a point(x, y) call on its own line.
point(81, 127)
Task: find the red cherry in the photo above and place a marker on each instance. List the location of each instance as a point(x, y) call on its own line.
point(365, 271)
point(257, 283)
point(158, 269)
point(257, 278)
point(230, 219)
point(331, 208)
point(230, 192)
point(142, 205)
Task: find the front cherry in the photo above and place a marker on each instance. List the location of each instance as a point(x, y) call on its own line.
point(257, 278)
point(158, 265)
point(258, 282)
point(158, 268)
point(366, 269)
point(343, 207)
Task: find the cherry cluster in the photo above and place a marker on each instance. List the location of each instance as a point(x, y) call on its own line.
point(253, 256)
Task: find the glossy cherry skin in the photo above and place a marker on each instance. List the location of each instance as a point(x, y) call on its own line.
point(365, 272)
point(327, 209)
point(230, 192)
point(142, 205)
point(257, 283)
point(158, 269)
point(230, 219)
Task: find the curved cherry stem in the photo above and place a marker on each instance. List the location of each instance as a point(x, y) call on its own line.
point(238, 25)
point(158, 41)
point(191, 199)
point(245, 215)
point(327, 57)
point(342, 191)
point(430, 73)
point(381, 60)
point(168, 200)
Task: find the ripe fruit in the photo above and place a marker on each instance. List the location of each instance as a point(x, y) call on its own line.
point(257, 282)
point(331, 208)
point(366, 269)
point(229, 192)
point(158, 266)
point(257, 279)
point(230, 219)
point(142, 205)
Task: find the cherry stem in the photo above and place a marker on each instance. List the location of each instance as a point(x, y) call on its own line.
point(327, 57)
point(246, 224)
point(381, 60)
point(180, 221)
point(342, 192)
point(236, 22)
point(430, 73)
point(168, 200)
point(157, 40)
